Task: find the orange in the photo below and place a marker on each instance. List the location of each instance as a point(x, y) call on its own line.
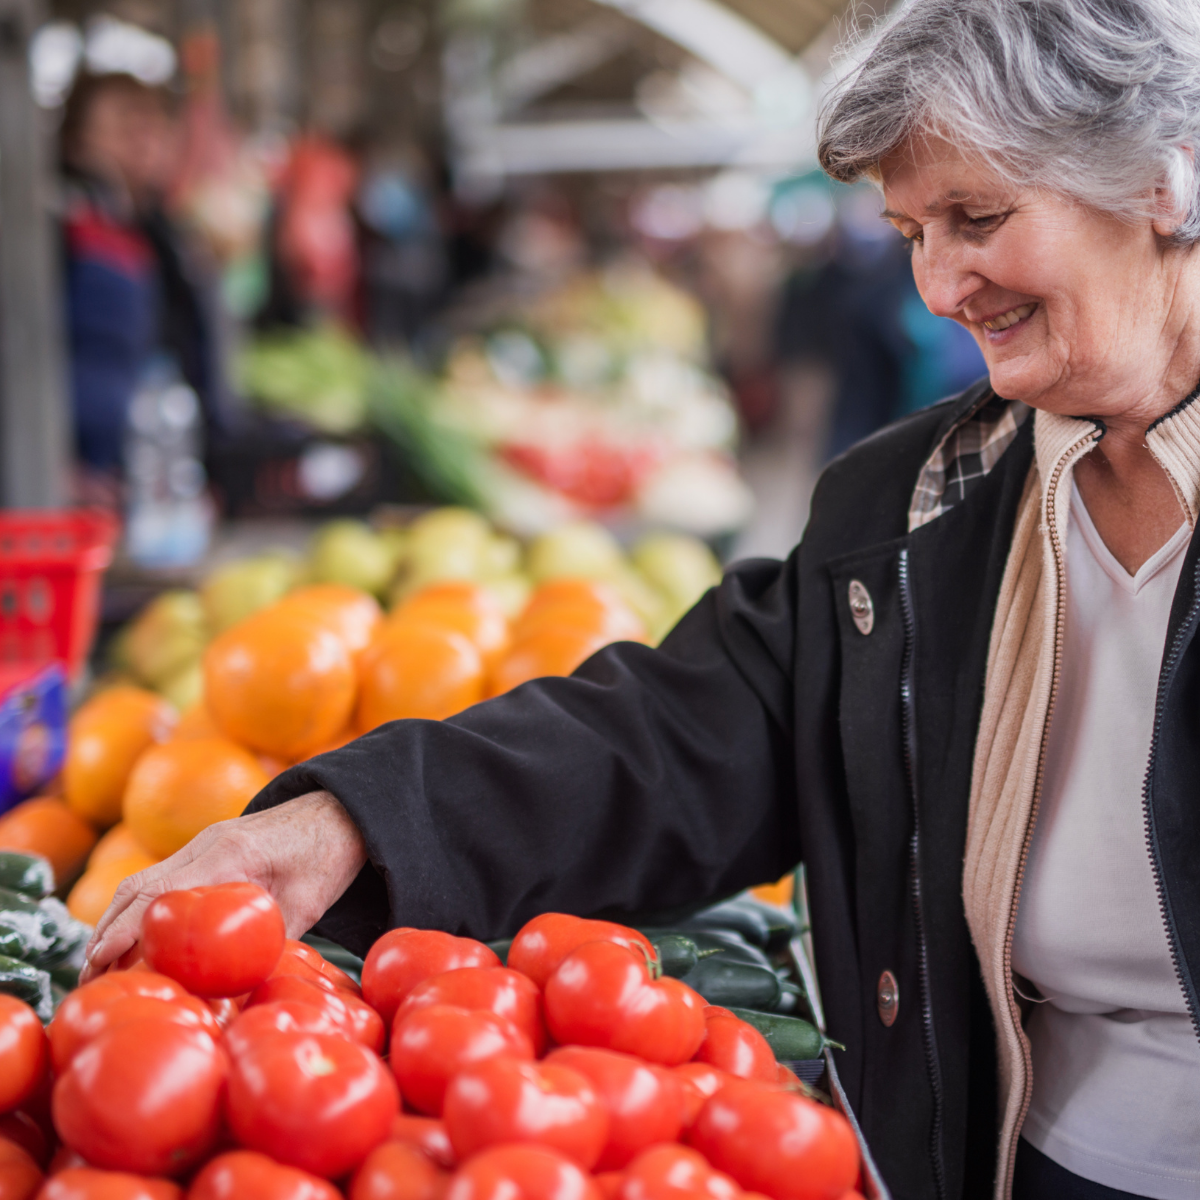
point(105, 738)
point(352, 614)
point(46, 826)
point(272, 766)
point(780, 893)
point(279, 682)
point(97, 885)
point(465, 607)
point(342, 739)
point(414, 670)
point(179, 789)
point(195, 722)
point(585, 604)
point(552, 651)
point(118, 842)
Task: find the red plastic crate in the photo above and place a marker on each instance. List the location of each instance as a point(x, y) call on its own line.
point(51, 564)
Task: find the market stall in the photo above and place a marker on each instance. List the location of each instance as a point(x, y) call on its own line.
point(435, 403)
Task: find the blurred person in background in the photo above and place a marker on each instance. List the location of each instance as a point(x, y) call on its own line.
point(855, 308)
point(132, 290)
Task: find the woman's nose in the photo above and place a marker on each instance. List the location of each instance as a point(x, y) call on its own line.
point(944, 278)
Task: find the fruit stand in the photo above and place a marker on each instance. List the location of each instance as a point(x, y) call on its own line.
point(580, 1058)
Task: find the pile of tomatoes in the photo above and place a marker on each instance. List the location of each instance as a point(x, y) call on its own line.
point(222, 1061)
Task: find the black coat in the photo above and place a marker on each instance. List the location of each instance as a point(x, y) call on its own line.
point(766, 730)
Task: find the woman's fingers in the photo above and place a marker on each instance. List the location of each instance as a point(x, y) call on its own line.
point(212, 857)
point(276, 849)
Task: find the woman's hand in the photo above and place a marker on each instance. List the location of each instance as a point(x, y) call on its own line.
point(305, 852)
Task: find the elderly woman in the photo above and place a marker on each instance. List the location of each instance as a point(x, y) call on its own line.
point(969, 701)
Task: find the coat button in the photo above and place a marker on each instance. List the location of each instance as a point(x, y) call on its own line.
point(861, 608)
point(887, 998)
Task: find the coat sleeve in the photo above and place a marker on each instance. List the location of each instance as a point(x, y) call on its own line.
point(649, 780)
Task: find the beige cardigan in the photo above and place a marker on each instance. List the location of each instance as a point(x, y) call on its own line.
point(1022, 675)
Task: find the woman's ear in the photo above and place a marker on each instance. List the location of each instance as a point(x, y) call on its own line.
point(1169, 214)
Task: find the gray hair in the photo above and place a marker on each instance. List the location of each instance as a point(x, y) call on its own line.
point(1098, 100)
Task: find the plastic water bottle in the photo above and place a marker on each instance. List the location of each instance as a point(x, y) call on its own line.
point(169, 517)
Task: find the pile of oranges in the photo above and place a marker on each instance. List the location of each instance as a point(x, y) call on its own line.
point(298, 678)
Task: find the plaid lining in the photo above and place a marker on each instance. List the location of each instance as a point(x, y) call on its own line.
point(965, 456)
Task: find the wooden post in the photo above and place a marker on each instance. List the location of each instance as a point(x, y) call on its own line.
point(34, 422)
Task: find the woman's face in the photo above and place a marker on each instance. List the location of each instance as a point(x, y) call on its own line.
point(1074, 310)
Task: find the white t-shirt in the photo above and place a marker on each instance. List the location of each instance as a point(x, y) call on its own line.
point(1116, 1063)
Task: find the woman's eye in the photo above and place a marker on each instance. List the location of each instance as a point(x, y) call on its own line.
point(984, 224)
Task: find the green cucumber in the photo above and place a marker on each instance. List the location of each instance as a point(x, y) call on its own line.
point(70, 937)
point(732, 983)
point(29, 874)
point(65, 976)
point(763, 925)
point(27, 983)
point(733, 947)
point(23, 919)
point(792, 1039)
point(678, 953)
point(501, 947)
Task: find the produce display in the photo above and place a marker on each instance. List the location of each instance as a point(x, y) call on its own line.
point(594, 398)
point(220, 1060)
point(275, 659)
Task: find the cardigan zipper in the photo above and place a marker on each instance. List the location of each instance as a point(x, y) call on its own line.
point(908, 732)
point(1165, 678)
point(1059, 625)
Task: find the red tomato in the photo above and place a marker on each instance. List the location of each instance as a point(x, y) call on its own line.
point(427, 1134)
point(354, 1017)
point(87, 1183)
point(24, 1052)
point(644, 1102)
point(675, 1173)
point(21, 1128)
point(402, 958)
point(225, 1011)
point(316, 1101)
point(521, 1173)
point(506, 1100)
point(280, 1016)
point(187, 1011)
point(78, 1020)
point(301, 959)
point(700, 1082)
point(508, 994)
point(544, 942)
point(736, 1046)
point(365, 1025)
point(220, 940)
point(776, 1142)
point(143, 1097)
point(786, 1076)
point(65, 1159)
point(431, 1045)
point(603, 995)
point(245, 1174)
point(20, 1176)
point(608, 1183)
point(340, 980)
point(397, 1171)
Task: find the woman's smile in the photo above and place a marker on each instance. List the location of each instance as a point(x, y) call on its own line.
point(1000, 328)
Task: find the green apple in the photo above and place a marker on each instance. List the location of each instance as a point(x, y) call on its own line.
point(352, 553)
point(579, 549)
point(447, 543)
point(166, 636)
point(682, 568)
point(185, 687)
point(233, 591)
